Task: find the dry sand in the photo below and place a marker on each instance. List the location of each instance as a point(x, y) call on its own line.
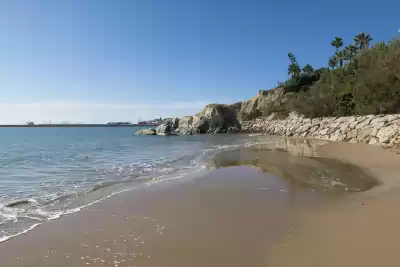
point(235, 216)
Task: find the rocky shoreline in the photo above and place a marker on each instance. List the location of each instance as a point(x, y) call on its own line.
point(371, 129)
point(214, 118)
point(217, 118)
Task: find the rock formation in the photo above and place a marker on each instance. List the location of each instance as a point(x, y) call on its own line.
point(254, 106)
point(370, 129)
point(168, 127)
point(214, 118)
point(218, 118)
point(147, 131)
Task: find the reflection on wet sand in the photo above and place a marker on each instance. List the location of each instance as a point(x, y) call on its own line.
point(360, 231)
point(298, 163)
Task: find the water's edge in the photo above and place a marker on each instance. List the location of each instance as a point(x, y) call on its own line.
point(202, 162)
point(103, 191)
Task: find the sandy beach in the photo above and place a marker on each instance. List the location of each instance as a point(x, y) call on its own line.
point(361, 230)
point(256, 208)
point(217, 220)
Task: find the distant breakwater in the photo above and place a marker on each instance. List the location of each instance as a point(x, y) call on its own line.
point(75, 125)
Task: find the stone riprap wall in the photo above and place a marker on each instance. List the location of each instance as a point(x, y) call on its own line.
point(378, 129)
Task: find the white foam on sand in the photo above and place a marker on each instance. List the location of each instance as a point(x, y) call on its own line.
point(12, 213)
point(57, 214)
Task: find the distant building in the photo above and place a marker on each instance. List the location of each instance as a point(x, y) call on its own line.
point(119, 123)
point(154, 122)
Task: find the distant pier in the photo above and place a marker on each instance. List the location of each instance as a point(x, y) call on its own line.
point(72, 125)
point(31, 124)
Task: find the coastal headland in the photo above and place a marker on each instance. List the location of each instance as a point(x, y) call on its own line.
point(355, 98)
point(381, 129)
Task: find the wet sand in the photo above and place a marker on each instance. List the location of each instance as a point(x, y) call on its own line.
point(227, 218)
point(361, 230)
point(234, 216)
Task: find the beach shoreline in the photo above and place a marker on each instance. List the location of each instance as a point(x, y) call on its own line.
point(217, 219)
point(360, 230)
point(193, 222)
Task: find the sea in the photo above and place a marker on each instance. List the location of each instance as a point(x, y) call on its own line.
point(46, 173)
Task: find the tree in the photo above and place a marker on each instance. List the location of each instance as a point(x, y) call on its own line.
point(358, 82)
point(293, 68)
point(333, 62)
point(362, 40)
point(341, 57)
point(308, 68)
point(350, 51)
point(337, 42)
point(292, 58)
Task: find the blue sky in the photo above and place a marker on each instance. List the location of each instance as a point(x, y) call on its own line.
point(95, 61)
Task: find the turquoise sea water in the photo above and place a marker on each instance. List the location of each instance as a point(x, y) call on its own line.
point(55, 171)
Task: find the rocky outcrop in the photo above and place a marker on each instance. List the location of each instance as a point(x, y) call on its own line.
point(168, 127)
point(147, 131)
point(371, 129)
point(214, 118)
point(185, 125)
point(254, 106)
point(218, 118)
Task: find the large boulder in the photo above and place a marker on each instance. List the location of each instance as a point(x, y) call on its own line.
point(147, 131)
point(185, 125)
point(168, 127)
point(214, 118)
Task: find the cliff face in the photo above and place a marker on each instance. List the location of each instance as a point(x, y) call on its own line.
point(254, 106)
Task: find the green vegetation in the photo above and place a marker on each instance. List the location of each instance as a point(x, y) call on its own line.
point(294, 68)
point(359, 80)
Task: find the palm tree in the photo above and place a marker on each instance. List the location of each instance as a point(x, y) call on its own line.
point(337, 42)
point(340, 56)
point(294, 68)
point(292, 58)
point(350, 51)
point(362, 40)
point(353, 50)
point(308, 68)
point(333, 62)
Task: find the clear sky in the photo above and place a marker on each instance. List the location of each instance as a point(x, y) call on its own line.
point(96, 61)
